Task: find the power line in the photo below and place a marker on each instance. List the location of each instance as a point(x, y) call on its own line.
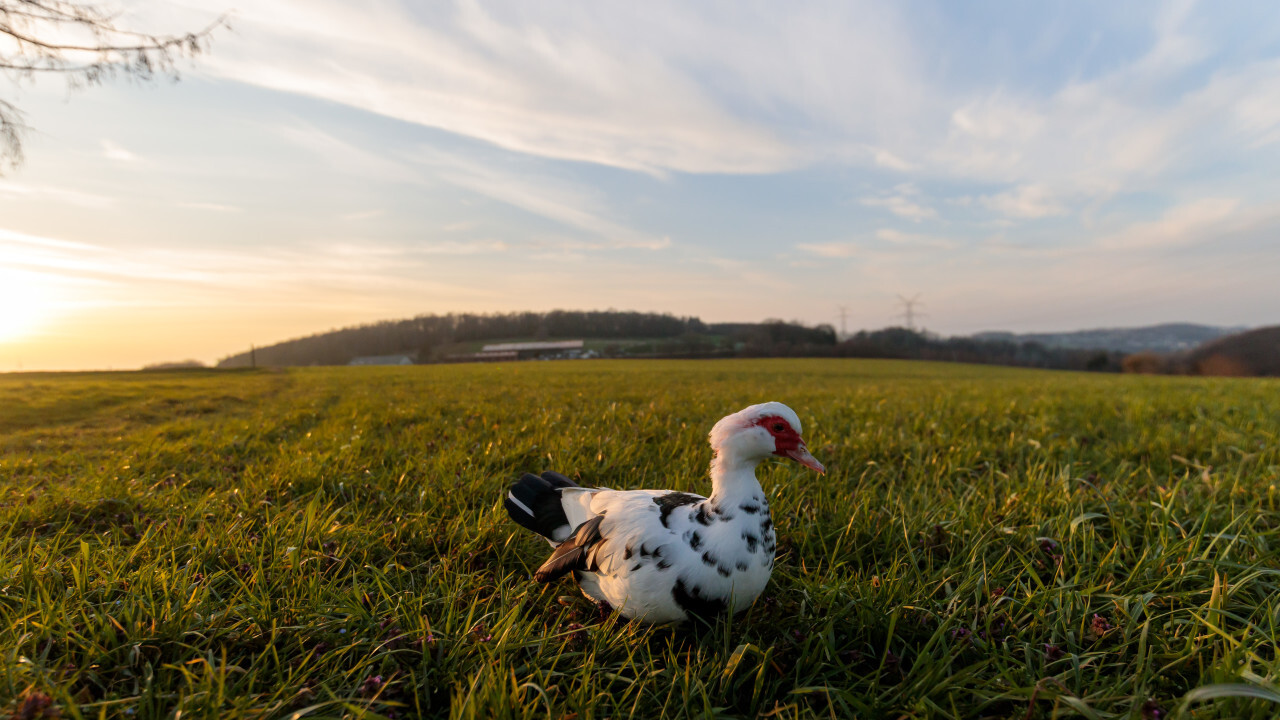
point(909, 312)
point(844, 316)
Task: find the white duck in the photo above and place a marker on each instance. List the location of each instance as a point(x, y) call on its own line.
point(663, 556)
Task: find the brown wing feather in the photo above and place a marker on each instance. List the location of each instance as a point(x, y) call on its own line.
point(575, 553)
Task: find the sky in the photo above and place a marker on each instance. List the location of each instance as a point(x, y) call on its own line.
point(1020, 166)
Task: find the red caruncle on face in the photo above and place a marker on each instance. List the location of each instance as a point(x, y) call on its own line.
point(785, 437)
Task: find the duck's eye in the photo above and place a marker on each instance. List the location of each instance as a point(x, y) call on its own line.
point(779, 427)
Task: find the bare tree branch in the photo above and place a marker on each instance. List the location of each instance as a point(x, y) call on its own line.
point(37, 43)
point(11, 130)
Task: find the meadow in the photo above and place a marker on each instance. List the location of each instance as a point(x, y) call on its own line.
point(330, 542)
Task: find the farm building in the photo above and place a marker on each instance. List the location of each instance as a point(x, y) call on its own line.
point(483, 357)
point(549, 350)
point(534, 349)
point(382, 360)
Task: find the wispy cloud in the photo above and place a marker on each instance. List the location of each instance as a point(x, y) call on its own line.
point(344, 156)
point(540, 195)
point(685, 88)
point(362, 215)
point(107, 275)
point(830, 249)
point(112, 151)
point(1024, 201)
point(1179, 225)
point(886, 159)
point(904, 239)
point(59, 195)
point(570, 85)
point(883, 243)
point(213, 207)
point(902, 203)
point(14, 239)
point(377, 255)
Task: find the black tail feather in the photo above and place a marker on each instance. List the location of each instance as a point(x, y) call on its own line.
point(576, 553)
point(534, 503)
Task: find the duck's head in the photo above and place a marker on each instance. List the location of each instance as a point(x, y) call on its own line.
point(756, 433)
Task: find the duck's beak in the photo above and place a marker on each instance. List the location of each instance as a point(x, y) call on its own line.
point(802, 455)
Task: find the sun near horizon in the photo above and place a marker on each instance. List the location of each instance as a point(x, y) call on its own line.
point(27, 305)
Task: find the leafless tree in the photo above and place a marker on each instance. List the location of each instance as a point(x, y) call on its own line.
point(84, 44)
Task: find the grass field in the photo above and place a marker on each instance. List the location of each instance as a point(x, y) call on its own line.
point(329, 542)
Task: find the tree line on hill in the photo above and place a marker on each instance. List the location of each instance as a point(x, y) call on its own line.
point(1255, 353)
point(901, 343)
point(432, 338)
point(425, 337)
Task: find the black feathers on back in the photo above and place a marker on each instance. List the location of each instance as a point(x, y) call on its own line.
point(671, 501)
point(534, 503)
point(576, 553)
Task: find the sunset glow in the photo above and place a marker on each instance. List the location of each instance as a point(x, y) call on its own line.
point(24, 304)
point(1066, 166)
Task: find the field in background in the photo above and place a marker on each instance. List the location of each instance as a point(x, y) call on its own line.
point(988, 542)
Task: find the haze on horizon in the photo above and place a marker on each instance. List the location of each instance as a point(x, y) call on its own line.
point(1026, 167)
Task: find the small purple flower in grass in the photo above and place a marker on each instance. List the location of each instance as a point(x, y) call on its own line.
point(34, 705)
point(371, 685)
point(1152, 710)
point(1100, 626)
point(603, 610)
point(961, 634)
point(391, 633)
point(577, 634)
point(1053, 652)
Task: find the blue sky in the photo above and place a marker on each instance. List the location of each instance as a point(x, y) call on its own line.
point(1023, 166)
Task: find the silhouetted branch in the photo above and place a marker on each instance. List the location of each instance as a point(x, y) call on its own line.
point(39, 40)
point(11, 129)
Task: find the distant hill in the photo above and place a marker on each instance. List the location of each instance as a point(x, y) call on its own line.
point(1167, 338)
point(427, 338)
point(608, 333)
point(619, 334)
point(1252, 353)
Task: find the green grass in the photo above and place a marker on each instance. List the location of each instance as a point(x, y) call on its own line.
point(329, 542)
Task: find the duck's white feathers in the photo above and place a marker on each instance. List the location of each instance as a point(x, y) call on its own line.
point(661, 555)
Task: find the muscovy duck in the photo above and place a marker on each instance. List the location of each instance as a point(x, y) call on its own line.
point(663, 556)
